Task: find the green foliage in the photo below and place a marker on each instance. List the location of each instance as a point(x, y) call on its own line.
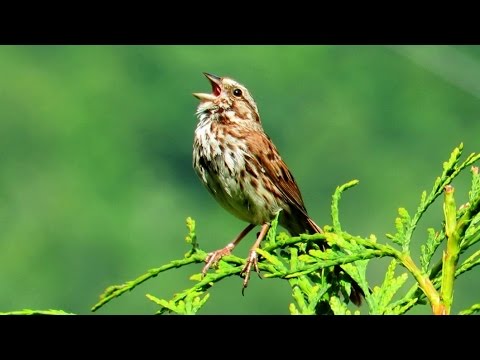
point(380, 301)
point(116, 290)
point(336, 199)
point(402, 224)
point(187, 306)
point(286, 258)
point(469, 263)
point(36, 312)
point(339, 307)
point(472, 310)
point(306, 268)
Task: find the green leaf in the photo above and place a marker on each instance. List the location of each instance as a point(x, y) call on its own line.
point(472, 235)
point(357, 271)
point(453, 160)
point(306, 258)
point(163, 303)
point(474, 192)
point(293, 309)
point(294, 261)
point(298, 296)
point(191, 238)
point(338, 307)
point(433, 241)
point(189, 305)
point(195, 302)
point(423, 198)
point(472, 261)
point(302, 292)
point(272, 231)
point(196, 277)
point(401, 224)
point(382, 295)
point(399, 309)
point(272, 259)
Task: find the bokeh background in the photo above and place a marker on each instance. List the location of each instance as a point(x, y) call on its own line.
point(96, 178)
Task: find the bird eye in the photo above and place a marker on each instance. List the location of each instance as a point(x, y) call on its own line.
point(237, 92)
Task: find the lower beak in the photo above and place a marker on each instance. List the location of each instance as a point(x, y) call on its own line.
point(204, 96)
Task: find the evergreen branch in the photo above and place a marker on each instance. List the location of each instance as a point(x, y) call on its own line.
point(191, 237)
point(416, 293)
point(36, 312)
point(199, 256)
point(469, 264)
point(373, 250)
point(475, 188)
point(306, 295)
point(405, 259)
point(436, 270)
point(190, 306)
point(402, 221)
point(384, 294)
point(424, 283)
point(321, 264)
point(450, 171)
point(464, 245)
point(471, 310)
point(357, 271)
point(467, 242)
point(470, 214)
point(400, 307)
point(272, 231)
point(324, 259)
point(434, 240)
point(306, 272)
point(339, 307)
point(116, 290)
point(335, 199)
point(283, 241)
point(450, 256)
point(207, 282)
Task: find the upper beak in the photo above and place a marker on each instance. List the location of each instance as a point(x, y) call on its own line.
point(215, 81)
point(213, 78)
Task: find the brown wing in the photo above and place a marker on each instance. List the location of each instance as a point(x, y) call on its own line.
point(268, 158)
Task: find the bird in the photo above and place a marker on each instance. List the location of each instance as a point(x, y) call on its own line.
point(242, 169)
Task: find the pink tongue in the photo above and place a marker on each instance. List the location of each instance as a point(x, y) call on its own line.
point(216, 89)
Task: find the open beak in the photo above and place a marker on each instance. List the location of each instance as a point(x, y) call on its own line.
point(216, 83)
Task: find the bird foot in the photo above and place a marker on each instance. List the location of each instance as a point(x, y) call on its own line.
point(252, 260)
point(214, 257)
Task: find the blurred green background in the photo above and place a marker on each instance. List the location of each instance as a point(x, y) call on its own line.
point(96, 178)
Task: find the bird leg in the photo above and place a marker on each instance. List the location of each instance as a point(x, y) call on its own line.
point(214, 257)
point(253, 258)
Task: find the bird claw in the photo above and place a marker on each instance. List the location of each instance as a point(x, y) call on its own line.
point(213, 258)
point(251, 261)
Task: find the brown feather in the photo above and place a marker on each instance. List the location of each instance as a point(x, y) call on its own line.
point(276, 169)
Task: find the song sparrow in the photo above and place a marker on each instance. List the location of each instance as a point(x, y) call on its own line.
point(241, 167)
